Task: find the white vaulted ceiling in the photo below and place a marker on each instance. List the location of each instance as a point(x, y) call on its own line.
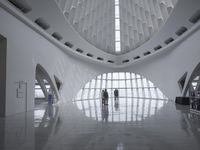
point(141, 19)
point(94, 20)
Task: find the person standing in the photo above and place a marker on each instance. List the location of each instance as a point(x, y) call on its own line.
point(102, 97)
point(106, 97)
point(116, 94)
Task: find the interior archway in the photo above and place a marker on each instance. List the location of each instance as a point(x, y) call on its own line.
point(138, 98)
point(45, 91)
point(193, 85)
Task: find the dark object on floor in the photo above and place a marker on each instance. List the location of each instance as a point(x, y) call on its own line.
point(182, 100)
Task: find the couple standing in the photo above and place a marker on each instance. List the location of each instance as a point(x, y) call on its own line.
point(105, 96)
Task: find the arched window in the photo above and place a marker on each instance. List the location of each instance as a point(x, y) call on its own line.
point(136, 95)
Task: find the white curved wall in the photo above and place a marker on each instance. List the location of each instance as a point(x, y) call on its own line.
point(167, 68)
point(26, 49)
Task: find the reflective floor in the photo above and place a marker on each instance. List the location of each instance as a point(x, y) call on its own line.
point(67, 127)
point(121, 109)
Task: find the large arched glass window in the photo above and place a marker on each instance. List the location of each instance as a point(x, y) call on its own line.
point(136, 95)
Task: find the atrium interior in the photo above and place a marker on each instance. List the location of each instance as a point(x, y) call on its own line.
point(99, 74)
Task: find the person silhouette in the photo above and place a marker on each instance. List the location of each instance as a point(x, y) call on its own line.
point(106, 97)
point(102, 97)
point(116, 94)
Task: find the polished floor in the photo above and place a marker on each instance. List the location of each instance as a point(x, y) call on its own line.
point(69, 127)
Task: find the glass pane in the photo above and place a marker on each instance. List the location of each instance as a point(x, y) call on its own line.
point(117, 35)
point(99, 77)
point(129, 93)
point(146, 92)
point(122, 84)
point(116, 11)
point(138, 76)
point(116, 2)
point(121, 75)
point(160, 94)
point(91, 93)
point(122, 93)
point(115, 75)
point(104, 76)
point(109, 76)
point(109, 84)
point(151, 84)
point(39, 93)
point(128, 83)
point(85, 94)
point(139, 83)
point(128, 75)
point(37, 87)
point(117, 25)
point(144, 82)
point(87, 85)
point(92, 83)
point(78, 96)
point(117, 46)
point(97, 93)
point(135, 93)
point(115, 84)
point(153, 94)
point(140, 93)
point(103, 84)
point(133, 83)
point(98, 84)
point(47, 86)
point(132, 75)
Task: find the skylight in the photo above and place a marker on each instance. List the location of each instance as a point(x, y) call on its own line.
point(117, 27)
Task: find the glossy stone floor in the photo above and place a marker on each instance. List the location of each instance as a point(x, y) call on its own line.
point(67, 127)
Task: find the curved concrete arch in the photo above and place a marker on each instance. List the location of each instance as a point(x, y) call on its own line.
point(82, 48)
point(41, 74)
point(195, 72)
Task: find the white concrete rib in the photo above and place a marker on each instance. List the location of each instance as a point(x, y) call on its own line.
point(94, 21)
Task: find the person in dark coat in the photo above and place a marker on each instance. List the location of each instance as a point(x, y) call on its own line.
point(116, 94)
point(102, 97)
point(106, 97)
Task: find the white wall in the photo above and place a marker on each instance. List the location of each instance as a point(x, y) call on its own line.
point(167, 68)
point(26, 49)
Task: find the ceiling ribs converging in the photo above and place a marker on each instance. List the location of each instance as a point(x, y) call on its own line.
point(94, 20)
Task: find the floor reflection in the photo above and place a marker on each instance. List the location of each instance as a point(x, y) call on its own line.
point(46, 123)
point(189, 122)
point(120, 109)
point(65, 127)
point(120, 146)
point(43, 114)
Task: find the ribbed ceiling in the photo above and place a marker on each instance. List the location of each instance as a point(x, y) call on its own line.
point(94, 20)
